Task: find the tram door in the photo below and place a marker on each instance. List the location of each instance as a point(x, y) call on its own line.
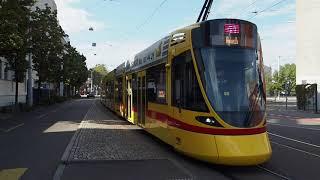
point(129, 98)
point(141, 98)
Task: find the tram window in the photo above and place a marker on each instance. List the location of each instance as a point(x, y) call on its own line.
point(120, 90)
point(156, 84)
point(186, 91)
point(134, 90)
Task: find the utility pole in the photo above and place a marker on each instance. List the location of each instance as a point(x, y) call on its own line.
point(91, 87)
point(29, 83)
point(279, 74)
point(61, 87)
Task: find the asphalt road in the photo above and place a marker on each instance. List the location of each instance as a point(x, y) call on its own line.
point(34, 150)
point(34, 145)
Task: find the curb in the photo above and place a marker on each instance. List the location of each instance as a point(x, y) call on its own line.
point(67, 152)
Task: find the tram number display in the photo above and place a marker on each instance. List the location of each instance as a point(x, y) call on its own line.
point(232, 28)
point(232, 31)
point(232, 40)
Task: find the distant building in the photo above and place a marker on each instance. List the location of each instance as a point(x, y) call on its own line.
point(308, 49)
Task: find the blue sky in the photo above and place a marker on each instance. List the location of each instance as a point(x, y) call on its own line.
point(122, 28)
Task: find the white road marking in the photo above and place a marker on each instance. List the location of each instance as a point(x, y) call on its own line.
point(290, 139)
point(42, 116)
point(276, 124)
point(15, 127)
point(59, 172)
point(272, 172)
point(306, 152)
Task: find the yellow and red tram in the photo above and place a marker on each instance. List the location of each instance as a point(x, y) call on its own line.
point(201, 90)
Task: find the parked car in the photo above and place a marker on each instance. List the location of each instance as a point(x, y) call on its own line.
point(84, 95)
point(91, 95)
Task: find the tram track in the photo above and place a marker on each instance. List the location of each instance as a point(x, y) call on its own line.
point(273, 173)
point(294, 140)
point(295, 145)
point(296, 149)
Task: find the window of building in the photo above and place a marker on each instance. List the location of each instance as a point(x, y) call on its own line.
point(186, 92)
point(156, 84)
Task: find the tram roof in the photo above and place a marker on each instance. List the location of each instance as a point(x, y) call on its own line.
point(158, 51)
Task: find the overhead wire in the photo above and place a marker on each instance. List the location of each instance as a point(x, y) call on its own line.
point(149, 18)
point(266, 9)
point(245, 9)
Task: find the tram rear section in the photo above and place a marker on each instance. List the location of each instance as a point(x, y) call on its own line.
point(201, 90)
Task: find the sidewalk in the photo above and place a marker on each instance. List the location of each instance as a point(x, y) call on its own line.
point(106, 147)
point(278, 114)
point(279, 108)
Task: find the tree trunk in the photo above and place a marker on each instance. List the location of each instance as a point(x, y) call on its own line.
point(39, 89)
point(49, 92)
point(16, 101)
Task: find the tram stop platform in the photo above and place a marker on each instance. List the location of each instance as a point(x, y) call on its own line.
point(107, 147)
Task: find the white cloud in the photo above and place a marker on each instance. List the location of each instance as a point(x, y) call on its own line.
point(74, 20)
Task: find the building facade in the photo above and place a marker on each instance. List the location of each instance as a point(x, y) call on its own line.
point(7, 83)
point(308, 49)
point(8, 86)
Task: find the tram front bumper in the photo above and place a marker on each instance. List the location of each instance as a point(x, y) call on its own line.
point(243, 150)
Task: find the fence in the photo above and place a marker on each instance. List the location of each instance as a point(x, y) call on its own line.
point(307, 97)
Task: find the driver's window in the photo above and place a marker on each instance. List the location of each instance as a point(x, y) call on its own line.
point(186, 92)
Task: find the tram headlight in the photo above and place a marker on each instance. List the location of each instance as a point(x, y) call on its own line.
point(211, 121)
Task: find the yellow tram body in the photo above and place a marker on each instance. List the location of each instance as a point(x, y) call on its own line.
point(144, 93)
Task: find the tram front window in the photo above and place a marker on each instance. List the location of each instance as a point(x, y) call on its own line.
point(233, 84)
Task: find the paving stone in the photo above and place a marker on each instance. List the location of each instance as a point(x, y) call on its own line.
point(102, 136)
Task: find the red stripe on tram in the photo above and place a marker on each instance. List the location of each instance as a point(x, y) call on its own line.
point(214, 131)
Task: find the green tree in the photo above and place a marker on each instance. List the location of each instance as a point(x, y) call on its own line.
point(98, 72)
point(15, 37)
point(47, 45)
point(75, 71)
point(283, 81)
point(287, 78)
point(275, 86)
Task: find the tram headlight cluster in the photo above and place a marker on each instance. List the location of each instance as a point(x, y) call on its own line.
point(211, 121)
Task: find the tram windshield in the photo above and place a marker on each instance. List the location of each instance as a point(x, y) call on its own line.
point(233, 84)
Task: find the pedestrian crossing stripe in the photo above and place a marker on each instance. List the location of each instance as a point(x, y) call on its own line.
point(12, 174)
